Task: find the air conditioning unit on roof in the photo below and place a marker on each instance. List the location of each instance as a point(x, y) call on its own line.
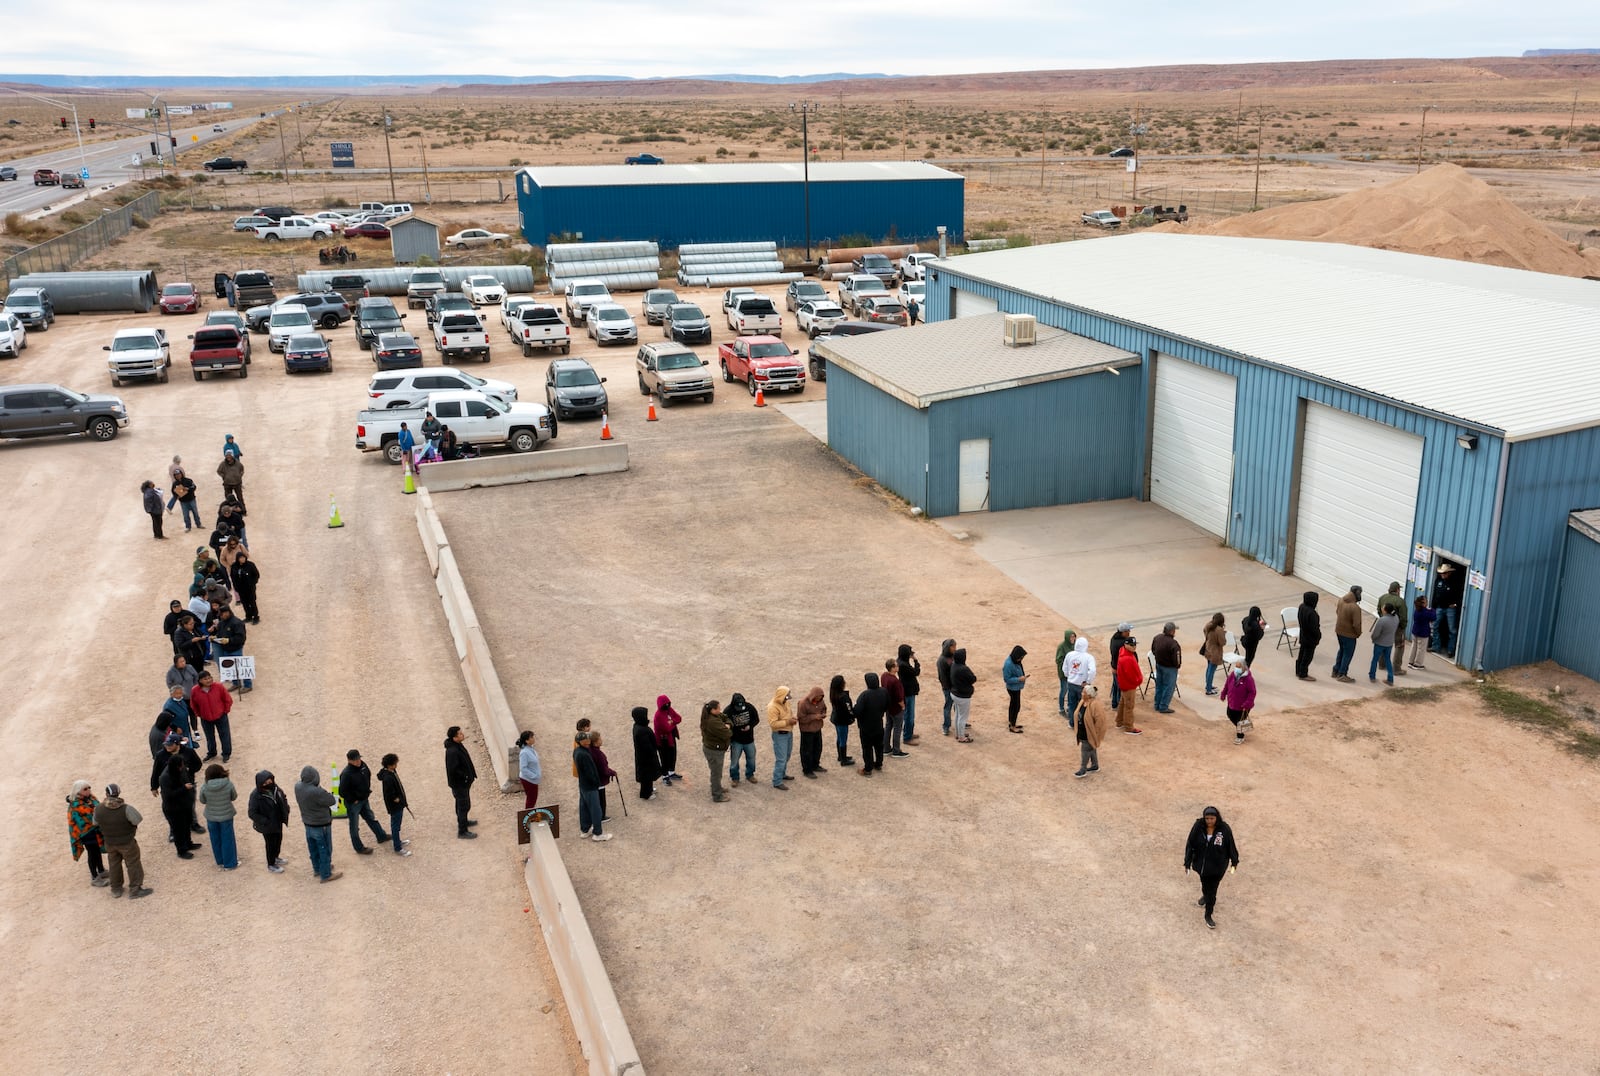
point(1021, 330)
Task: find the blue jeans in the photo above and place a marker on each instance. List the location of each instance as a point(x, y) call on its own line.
point(218, 730)
point(319, 844)
point(1444, 631)
point(357, 810)
point(1347, 650)
point(1166, 684)
point(395, 818)
point(949, 700)
point(1211, 676)
point(1381, 656)
point(233, 654)
point(1061, 696)
point(1074, 697)
point(223, 848)
point(190, 511)
point(782, 745)
point(589, 815)
point(910, 728)
point(748, 751)
point(843, 737)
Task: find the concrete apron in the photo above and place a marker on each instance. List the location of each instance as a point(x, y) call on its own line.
point(1105, 562)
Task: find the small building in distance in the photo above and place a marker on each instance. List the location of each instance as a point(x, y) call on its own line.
point(412, 239)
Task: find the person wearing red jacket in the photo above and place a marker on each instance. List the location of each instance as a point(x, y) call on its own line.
point(1129, 677)
point(666, 725)
point(211, 703)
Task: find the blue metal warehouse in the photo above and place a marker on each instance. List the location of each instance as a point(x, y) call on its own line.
point(736, 203)
point(1344, 414)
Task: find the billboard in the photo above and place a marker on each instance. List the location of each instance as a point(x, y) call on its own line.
point(221, 104)
point(138, 113)
point(180, 110)
point(344, 154)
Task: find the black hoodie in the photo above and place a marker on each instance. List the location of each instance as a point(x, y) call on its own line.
point(870, 707)
point(744, 718)
point(1309, 619)
point(268, 807)
point(945, 663)
point(394, 793)
point(459, 770)
point(961, 678)
point(646, 755)
point(908, 669)
point(1210, 856)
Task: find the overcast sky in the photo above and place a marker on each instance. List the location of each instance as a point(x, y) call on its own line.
point(648, 38)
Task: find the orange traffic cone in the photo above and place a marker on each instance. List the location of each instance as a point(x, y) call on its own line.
point(761, 397)
point(651, 417)
point(605, 427)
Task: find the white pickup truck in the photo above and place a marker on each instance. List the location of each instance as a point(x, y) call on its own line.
point(295, 228)
point(855, 288)
point(473, 417)
point(138, 353)
point(456, 335)
point(538, 325)
point(754, 315)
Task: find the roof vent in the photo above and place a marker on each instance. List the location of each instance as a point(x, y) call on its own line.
point(1021, 330)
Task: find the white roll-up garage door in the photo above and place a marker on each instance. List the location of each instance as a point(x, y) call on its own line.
point(1358, 502)
point(1191, 445)
point(970, 304)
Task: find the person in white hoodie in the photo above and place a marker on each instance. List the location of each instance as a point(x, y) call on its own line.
point(1079, 669)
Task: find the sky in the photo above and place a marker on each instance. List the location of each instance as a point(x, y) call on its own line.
point(648, 38)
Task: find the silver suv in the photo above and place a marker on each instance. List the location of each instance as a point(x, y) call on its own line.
point(673, 372)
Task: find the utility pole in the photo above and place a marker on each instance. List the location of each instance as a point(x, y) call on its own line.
point(1136, 129)
point(1572, 120)
point(1261, 123)
point(1238, 123)
point(427, 184)
point(300, 136)
point(840, 98)
point(283, 155)
point(1422, 139)
point(905, 124)
point(387, 123)
point(805, 108)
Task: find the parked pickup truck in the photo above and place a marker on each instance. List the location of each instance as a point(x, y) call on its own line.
point(50, 410)
point(540, 326)
point(1155, 214)
point(138, 353)
point(295, 228)
point(755, 315)
point(761, 362)
point(914, 265)
point(456, 335)
point(1101, 218)
point(252, 287)
point(424, 282)
point(473, 417)
point(855, 288)
point(219, 349)
point(877, 265)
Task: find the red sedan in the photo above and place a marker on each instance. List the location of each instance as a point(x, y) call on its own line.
point(180, 299)
point(366, 230)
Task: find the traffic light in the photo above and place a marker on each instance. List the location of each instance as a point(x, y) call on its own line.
point(91, 123)
point(174, 143)
point(63, 123)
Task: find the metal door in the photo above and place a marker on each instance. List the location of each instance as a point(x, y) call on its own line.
point(972, 488)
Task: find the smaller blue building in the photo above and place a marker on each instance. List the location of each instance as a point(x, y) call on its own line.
point(674, 204)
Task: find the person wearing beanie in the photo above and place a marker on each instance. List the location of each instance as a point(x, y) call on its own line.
point(716, 733)
point(1128, 679)
point(316, 814)
point(1118, 639)
point(268, 809)
point(646, 755)
point(1090, 731)
point(118, 823)
point(1210, 852)
point(355, 788)
point(83, 833)
point(217, 796)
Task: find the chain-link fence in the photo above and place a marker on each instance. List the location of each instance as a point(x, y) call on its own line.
point(63, 253)
point(310, 194)
point(1096, 192)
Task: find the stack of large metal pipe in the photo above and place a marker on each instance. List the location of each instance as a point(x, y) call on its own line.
point(392, 280)
point(620, 266)
point(836, 261)
point(97, 292)
point(716, 265)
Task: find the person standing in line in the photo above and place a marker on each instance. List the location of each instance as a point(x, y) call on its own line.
point(1091, 727)
point(1119, 638)
point(942, 666)
point(182, 676)
point(170, 622)
point(230, 447)
point(181, 717)
point(1393, 601)
point(174, 469)
point(1079, 669)
point(432, 430)
point(743, 718)
point(231, 471)
point(408, 448)
point(963, 682)
point(607, 774)
point(666, 725)
point(894, 715)
point(158, 733)
point(1346, 631)
point(1015, 679)
point(1213, 644)
point(909, 670)
point(228, 556)
point(1064, 651)
point(184, 491)
point(810, 716)
point(716, 733)
point(780, 719)
point(1447, 604)
point(1251, 631)
point(394, 800)
point(870, 707)
point(268, 811)
point(591, 817)
point(1383, 634)
point(579, 729)
point(529, 772)
point(1239, 697)
point(229, 635)
point(1128, 680)
point(174, 783)
point(316, 814)
point(355, 788)
point(246, 575)
point(1310, 622)
point(1166, 657)
point(217, 796)
point(459, 773)
point(646, 756)
point(118, 823)
point(83, 833)
point(841, 712)
point(1422, 619)
point(211, 702)
point(152, 506)
point(1209, 852)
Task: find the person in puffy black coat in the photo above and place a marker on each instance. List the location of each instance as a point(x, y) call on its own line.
point(269, 813)
point(646, 755)
point(909, 670)
point(841, 711)
point(1310, 622)
point(1209, 853)
point(459, 773)
point(871, 707)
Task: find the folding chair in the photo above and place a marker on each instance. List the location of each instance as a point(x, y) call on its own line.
point(1291, 635)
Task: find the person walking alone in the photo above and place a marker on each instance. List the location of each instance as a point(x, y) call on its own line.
point(1080, 670)
point(666, 725)
point(1210, 852)
point(84, 834)
point(152, 506)
point(1310, 623)
point(355, 788)
point(963, 682)
point(1128, 680)
point(780, 719)
point(1091, 729)
point(716, 733)
point(529, 772)
point(1213, 644)
point(118, 823)
point(1239, 698)
point(591, 816)
point(909, 670)
point(870, 707)
point(1015, 679)
point(810, 715)
point(268, 810)
point(459, 773)
point(394, 800)
point(646, 756)
point(942, 666)
point(842, 714)
point(316, 814)
point(217, 796)
point(1063, 652)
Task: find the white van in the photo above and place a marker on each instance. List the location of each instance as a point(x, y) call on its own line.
point(399, 209)
point(372, 207)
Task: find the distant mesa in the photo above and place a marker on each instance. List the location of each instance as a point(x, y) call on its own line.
point(1534, 54)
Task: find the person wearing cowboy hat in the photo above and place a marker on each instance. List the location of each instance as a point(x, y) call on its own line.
point(1447, 603)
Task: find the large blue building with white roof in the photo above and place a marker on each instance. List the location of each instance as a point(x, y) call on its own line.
point(1345, 414)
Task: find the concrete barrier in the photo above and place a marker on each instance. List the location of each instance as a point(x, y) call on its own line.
point(432, 532)
point(596, 1015)
point(507, 468)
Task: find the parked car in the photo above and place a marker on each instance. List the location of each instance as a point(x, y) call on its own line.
point(225, 164)
point(351, 287)
point(655, 304)
point(582, 294)
point(643, 158)
point(395, 351)
point(233, 320)
point(471, 416)
point(367, 229)
point(571, 387)
point(817, 316)
point(307, 351)
point(761, 362)
point(755, 315)
point(610, 323)
point(250, 223)
point(686, 323)
point(425, 281)
point(445, 302)
point(804, 291)
point(539, 325)
point(817, 364)
point(411, 388)
point(913, 289)
point(856, 287)
point(180, 299)
point(276, 212)
point(50, 411)
point(461, 334)
point(375, 316)
point(914, 265)
point(13, 335)
point(476, 237)
point(331, 217)
point(1101, 218)
point(673, 372)
point(252, 287)
point(482, 289)
point(219, 349)
point(508, 310)
point(33, 307)
point(327, 309)
point(877, 265)
point(294, 228)
point(138, 353)
point(287, 320)
point(884, 310)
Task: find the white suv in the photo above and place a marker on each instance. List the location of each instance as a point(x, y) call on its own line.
point(410, 388)
point(287, 321)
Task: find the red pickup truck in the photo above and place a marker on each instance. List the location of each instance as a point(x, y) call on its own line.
point(46, 177)
point(219, 348)
point(762, 362)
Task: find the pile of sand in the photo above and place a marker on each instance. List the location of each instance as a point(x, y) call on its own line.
point(1443, 213)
